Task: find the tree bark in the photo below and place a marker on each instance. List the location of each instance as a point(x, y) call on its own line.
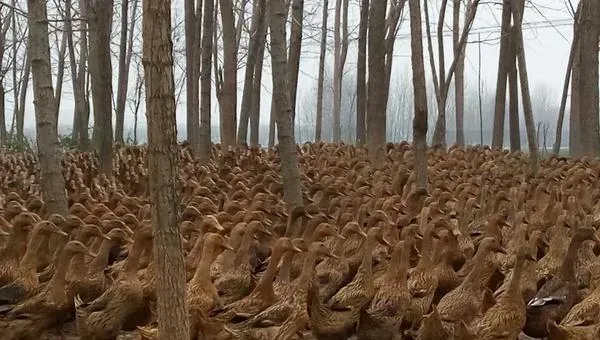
point(60, 74)
point(206, 82)
point(192, 109)
point(123, 73)
point(391, 24)
point(100, 21)
point(3, 134)
point(20, 109)
point(517, 11)
point(459, 80)
point(257, 86)
point(361, 74)
point(513, 108)
point(376, 102)
point(294, 54)
point(78, 75)
point(292, 190)
point(228, 97)
point(588, 81)
point(340, 46)
point(163, 170)
point(574, 128)
point(49, 155)
point(419, 93)
point(504, 60)
point(258, 19)
point(565, 93)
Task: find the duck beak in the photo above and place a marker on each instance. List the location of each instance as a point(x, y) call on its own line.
point(228, 247)
point(501, 250)
point(129, 240)
point(530, 257)
point(106, 237)
point(228, 330)
point(267, 232)
point(296, 250)
point(418, 236)
point(386, 242)
point(60, 232)
point(268, 222)
point(340, 237)
point(333, 256)
point(91, 253)
point(219, 227)
point(456, 232)
point(362, 233)
point(307, 215)
point(596, 239)
point(4, 233)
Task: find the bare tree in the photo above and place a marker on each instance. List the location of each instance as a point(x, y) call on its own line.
point(565, 93)
point(391, 29)
point(287, 147)
point(162, 170)
point(258, 22)
point(60, 73)
point(19, 88)
point(53, 183)
point(228, 92)
point(376, 102)
point(503, 68)
point(517, 11)
point(513, 83)
point(205, 82)
point(340, 50)
point(419, 93)
point(78, 74)
point(192, 109)
point(459, 80)
point(99, 21)
point(4, 26)
point(588, 81)
point(442, 84)
point(361, 74)
point(294, 53)
point(257, 87)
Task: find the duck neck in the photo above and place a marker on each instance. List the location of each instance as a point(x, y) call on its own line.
point(197, 248)
point(308, 270)
point(426, 253)
point(338, 249)
point(58, 281)
point(400, 262)
point(202, 273)
point(514, 287)
point(285, 272)
point(132, 262)
point(36, 242)
point(479, 265)
point(367, 261)
point(292, 223)
point(265, 285)
point(241, 257)
point(567, 269)
point(15, 243)
point(101, 260)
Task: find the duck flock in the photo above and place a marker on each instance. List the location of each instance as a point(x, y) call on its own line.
point(487, 251)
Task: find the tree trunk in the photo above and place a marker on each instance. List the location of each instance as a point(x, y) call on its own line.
point(419, 93)
point(258, 19)
point(292, 190)
point(501, 81)
point(257, 86)
point(513, 108)
point(524, 81)
point(49, 155)
point(294, 54)
point(3, 136)
point(338, 68)
point(459, 80)
point(588, 81)
point(228, 98)
point(574, 128)
point(192, 110)
point(123, 73)
point(206, 82)
point(272, 124)
point(99, 21)
point(163, 170)
point(376, 115)
point(565, 93)
point(361, 74)
point(391, 24)
point(78, 76)
point(20, 114)
point(60, 75)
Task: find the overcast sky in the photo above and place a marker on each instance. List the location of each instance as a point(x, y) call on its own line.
point(547, 32)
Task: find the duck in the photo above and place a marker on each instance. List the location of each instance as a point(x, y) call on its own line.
point(13, 251)
point(505, 319)
point(556, 297)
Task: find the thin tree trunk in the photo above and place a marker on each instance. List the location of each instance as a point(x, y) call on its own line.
point(459, 80)
point(419, 93)
point(228, 97)
point(376, 103)
point(294, 54)
point(163, 170)
point(513, 108)
point(49, 155)
point(257, 87)
point(565, 93)
point(99, 22)
point(20, 114)
point(272, 124)
point(258, 19)
point(503, 67)
point(292, 190)
point(588, 81)
point(337, 72)
point(574, 128)
point(321, 76)
point(361, 74)
point(524, 81)
point(3, 135)
point(206, 82)
point(391, 23)
point(123, 73)
point(192, 110)
point(60, 75)
point(240, 24)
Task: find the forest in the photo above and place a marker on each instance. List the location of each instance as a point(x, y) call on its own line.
point(299, 169)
